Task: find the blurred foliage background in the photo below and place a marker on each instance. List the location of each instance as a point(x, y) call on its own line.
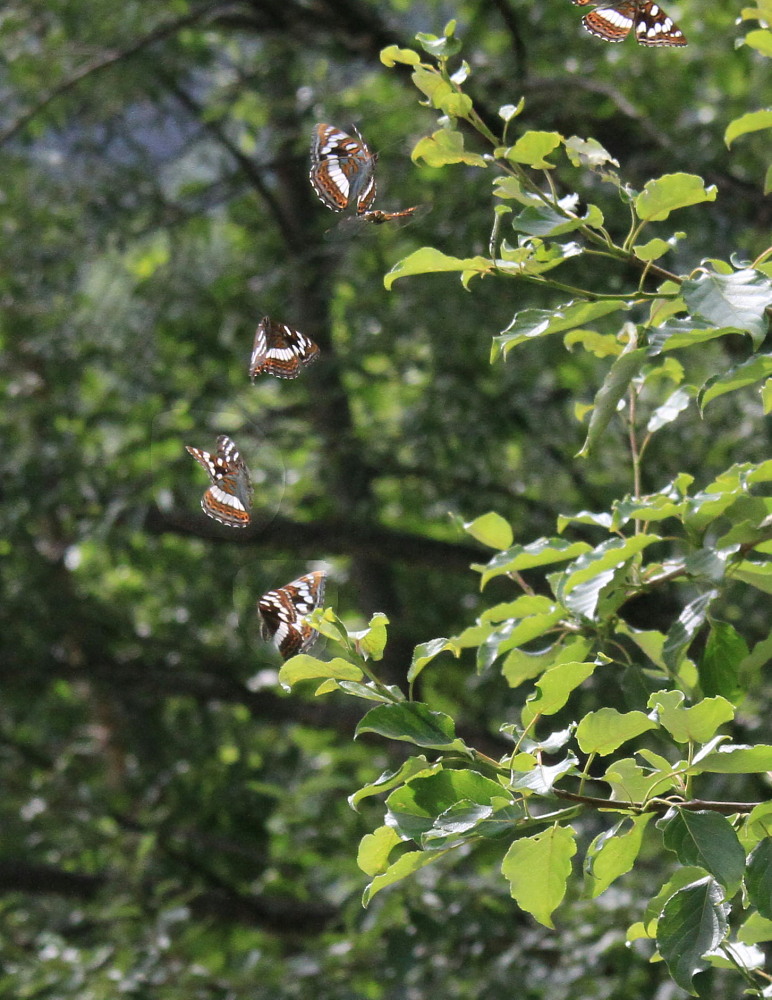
point(173, 825)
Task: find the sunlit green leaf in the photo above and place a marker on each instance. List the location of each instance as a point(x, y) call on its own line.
point(664, 195)
point(427, 260)
point(537, 869)
point(604, 731)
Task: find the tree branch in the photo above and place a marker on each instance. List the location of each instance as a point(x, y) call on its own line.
point(104, 61)
point(335, 536)
point(658, 806)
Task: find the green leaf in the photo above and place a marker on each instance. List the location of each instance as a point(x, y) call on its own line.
point(756, 574)
point(537, 869)
point(541, 778)
point(491, 529)
point(761, 40)
point(304, 667)
point(391, 779)
point(614, 387)
point(693, 922)
point(674, 334)
point(613, 853)
point(682, 632)
point(755, 930)
point(522, 607)
point(439, 47)
point(454, 825)
point(697, 724)
point(443, 148)
point(414, 808)
point(719, 666)
point(736, 300)
point(554, 688)
point(755, 369)
point(543, 220)
point(514, 633)
point(532, 148)
point(509, 111)
point(588, 153)
point(531, 323)
point(520, 666)
point(534, 256)
point(412, 722)
point(372, 641)
point(664, 195)
point(427, 260)
point(738, 759)
point(758, 880)
point(753, 121)
point(407, 865)
point(708, 840)
point(631, 783)
point(652, 250)
point(375, 848)
point(425, 652)
point(542, 552)
point(604, 731)
point(393, 54)
point(665, 414)
point(588, 569)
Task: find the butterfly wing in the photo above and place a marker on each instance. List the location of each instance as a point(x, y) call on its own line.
point(280, 350)
point(341, 169)
point(281, 612)
point(612, 23)
point(229, 498)
point(654, 27)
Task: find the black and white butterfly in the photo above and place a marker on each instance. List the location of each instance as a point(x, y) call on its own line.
point(280, 350)
point(650, 24)
point(229, 498)
point(282, 614)
point(343, 174)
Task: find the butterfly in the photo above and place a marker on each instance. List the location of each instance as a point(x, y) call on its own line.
point(651, 24)
point(343, 174)
point(282, 612)
point(280, 350)
point(229, 498)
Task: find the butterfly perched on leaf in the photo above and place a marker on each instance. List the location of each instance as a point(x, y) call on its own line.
point(229, 498)
point(648, 21)
point(282, 614)
point(280, 350)
point(343, 174)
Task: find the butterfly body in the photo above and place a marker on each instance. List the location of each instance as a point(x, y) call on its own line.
point(282, 612)
point(229, 498)
point(343, 174)
point(648, 21)
point(280, 350)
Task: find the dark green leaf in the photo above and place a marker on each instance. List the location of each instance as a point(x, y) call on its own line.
point(412, 722)
point(706, 839)
point(719, 666)
point(737, 300)
point(693, 922)
point(758, 881)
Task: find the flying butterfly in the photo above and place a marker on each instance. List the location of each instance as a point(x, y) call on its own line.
point(343, 174)
point(282, 614)
point(280, 350)
point(229, 498)
point(650, 24)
